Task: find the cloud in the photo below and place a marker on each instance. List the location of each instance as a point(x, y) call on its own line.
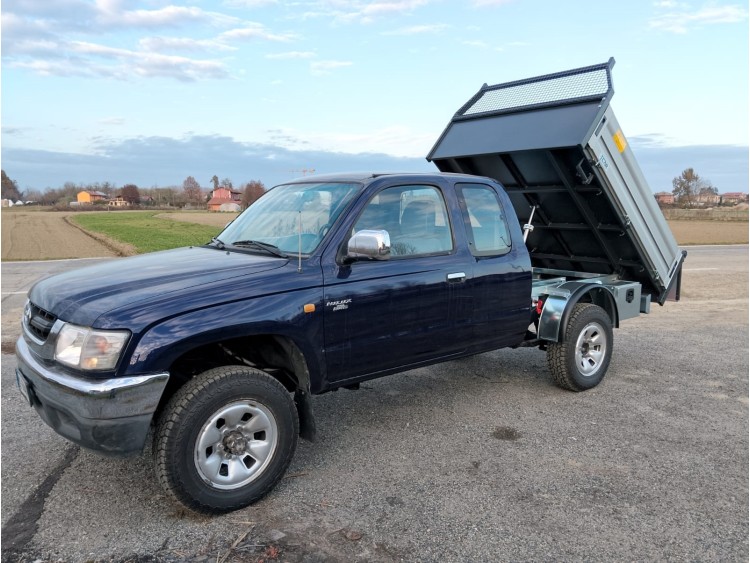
point(165, 161)
point(152, 64)
point(249, 3)
point(169, 16)
point(725, 165)
point(292, 55)
point(38, 36)
point(682, 20)
point(399, 140)
point(360, 11)
point(252, 30)
point(320, 68)
point(145, 161)
point(184, 44)
point(93, 60)
point(112, 121)
point(417, 29)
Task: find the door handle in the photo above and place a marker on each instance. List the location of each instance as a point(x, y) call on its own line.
point(456, 277)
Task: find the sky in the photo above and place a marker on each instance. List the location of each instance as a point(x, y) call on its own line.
point(153, 91)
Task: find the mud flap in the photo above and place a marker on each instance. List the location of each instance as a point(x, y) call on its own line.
point(307, 429)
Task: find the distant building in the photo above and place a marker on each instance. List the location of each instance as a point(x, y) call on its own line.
point(221, 196)
point(119, 201)
point(90, 196)
point(707, 199)
point(733, 198)
point(664, 198)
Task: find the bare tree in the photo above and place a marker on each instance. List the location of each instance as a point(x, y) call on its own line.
point(253, 190)
point(192, 189)
point(10, 188)
point(227, 183)
point(687, 186)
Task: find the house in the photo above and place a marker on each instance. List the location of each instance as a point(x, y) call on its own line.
point(119, 201)
point(664, 198)
point(221, 196)
point(90, 196)
point(707, 199)
point(733, 198)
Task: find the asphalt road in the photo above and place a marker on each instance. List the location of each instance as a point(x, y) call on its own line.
point(482, 459)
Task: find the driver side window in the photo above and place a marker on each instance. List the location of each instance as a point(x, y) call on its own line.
point(414, 216)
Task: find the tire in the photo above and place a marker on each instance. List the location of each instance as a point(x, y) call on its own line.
point(581, 360)
point(225, 439)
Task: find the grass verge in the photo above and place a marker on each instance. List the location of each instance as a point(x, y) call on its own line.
point(145, 232)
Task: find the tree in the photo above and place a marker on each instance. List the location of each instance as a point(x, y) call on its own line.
point(687, 186)
point(253, 190)
point(10, 188)
point(215, 181)
point(227, 183)
point(131, 194)
point(192, 189)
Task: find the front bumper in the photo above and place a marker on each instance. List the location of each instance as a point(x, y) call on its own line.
point(109, 416)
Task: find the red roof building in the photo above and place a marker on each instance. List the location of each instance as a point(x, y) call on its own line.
point(733, 197)
point(221, 196)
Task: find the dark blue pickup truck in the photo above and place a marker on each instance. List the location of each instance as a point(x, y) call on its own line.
point(328, 281)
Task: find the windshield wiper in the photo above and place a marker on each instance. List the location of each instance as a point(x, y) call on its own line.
point(220, 245)
point(270, 248)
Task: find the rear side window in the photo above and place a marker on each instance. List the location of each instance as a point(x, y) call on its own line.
point(486, 227)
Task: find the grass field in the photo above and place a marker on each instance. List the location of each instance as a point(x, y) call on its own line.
point(144, 231)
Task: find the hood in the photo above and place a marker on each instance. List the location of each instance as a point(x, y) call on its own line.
point(81, 296)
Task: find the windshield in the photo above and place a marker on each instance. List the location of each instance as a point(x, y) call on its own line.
point(275, 218)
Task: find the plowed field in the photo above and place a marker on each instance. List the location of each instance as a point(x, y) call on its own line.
point(41, 235)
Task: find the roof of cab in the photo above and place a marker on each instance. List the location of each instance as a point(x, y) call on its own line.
point(366, 177)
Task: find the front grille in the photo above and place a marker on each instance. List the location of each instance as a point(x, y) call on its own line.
point(38, 321)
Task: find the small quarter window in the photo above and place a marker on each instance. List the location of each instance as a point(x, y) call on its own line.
point(486, 226)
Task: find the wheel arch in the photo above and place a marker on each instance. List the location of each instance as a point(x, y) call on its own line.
point(558, 308)
point(281, 356)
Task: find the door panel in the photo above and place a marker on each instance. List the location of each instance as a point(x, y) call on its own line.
point(381, 315)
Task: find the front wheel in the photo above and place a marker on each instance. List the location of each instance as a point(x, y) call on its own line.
point(581, 360)
point(225, 439)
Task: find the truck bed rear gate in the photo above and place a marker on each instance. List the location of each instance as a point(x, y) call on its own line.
point(553, 141)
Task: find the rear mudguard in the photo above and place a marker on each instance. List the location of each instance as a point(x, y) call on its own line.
point(559, 303)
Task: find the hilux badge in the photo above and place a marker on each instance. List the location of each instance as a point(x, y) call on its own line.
point(339, 305)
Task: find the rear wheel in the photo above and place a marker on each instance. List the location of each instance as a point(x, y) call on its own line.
point(225, 439)
point(581, 360)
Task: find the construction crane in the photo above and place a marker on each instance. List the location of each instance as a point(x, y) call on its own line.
point(304, 171)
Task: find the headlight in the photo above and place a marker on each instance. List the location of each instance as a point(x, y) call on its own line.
point(89, 349)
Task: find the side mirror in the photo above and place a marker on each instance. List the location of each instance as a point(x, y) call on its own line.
point(369, 244)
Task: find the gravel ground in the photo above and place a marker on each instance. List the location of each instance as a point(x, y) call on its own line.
point(481, 459)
